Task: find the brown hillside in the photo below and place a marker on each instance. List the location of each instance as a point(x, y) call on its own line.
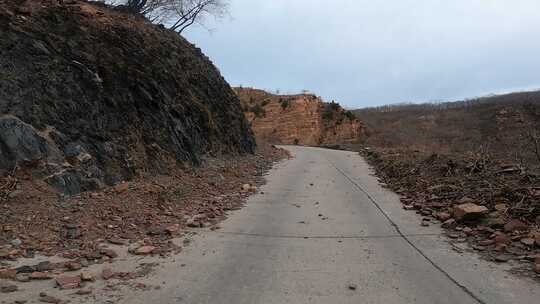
point(298, 119)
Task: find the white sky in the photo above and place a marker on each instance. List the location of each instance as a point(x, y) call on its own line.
point(371, 52)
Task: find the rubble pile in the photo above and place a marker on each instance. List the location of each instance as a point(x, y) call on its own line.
point(144, 214)
point(492, 204)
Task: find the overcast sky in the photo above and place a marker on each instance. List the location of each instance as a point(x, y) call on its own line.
point(370, 52)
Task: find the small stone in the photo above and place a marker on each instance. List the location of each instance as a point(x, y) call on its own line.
point(486, 242)
point(501, 247)
point(426, 212)
point(8, 274)
point(424, 224)
point(443, 216)
point(469, 211)
point(496, 222)
point(515, 225)
point(83, 292)
point(72, 266)
point(193, 224)
point(40, 276)
point(479, 248)
point(537, 268)
point(527, 241)
point(43, 297)
point(155, 231)
point(172, 229)
point(109, 252)
point(107, 273)
point(16, 242)
point(503, 258)
point(408, 207)
point(43, 266)
point(501, 207)
point(467, 230)
point(84, 262)
point(501, 238)
point(86, 276)
point(536, 236)
point(25, 269)
point(144, 250)
point(450, 223)
point(72, 232)
point(353, 286)
point(94, 255)
point(22, 277)
point(135, 246)
point(118, 241)
point(68, 282)
point(6, 288)
point(120, 188)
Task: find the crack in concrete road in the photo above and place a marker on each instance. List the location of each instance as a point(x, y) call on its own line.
point(406, 238)
point(357, 237)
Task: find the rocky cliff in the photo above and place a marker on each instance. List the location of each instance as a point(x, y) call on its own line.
point(298, 119)
point(91, 96)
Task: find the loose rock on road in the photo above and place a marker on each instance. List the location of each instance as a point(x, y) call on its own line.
point(324, 231)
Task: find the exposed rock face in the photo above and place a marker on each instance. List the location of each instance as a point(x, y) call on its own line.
point(20, 142)
point(298, 119)
point(91, 95)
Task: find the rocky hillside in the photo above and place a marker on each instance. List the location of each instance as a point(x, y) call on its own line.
point(92, 96)
point(298, 119)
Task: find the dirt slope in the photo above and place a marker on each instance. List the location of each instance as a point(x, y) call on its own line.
point(298, 119)
point(90, 96)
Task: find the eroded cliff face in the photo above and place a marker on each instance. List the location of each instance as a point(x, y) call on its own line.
point(298, 119)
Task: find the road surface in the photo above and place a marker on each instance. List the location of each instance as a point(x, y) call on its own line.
point(322, 227)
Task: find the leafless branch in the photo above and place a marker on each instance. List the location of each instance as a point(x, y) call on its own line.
point(178, 15)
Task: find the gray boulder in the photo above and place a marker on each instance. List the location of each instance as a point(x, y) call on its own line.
point(20, 143)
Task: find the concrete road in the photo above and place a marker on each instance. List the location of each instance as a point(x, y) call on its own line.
point(322, 226)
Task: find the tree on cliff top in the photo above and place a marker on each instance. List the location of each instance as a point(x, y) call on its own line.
point(176, 14)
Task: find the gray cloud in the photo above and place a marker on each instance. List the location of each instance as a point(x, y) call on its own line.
point(368, 52)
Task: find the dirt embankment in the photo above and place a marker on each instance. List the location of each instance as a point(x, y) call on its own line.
point(91, 96)
point(471, 165)
point(298, 119)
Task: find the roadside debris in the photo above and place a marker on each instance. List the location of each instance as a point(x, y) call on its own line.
point(68, 282)
point(153, 209)
point(496, 211)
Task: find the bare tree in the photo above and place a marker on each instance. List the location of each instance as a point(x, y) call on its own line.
point(177, 14)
